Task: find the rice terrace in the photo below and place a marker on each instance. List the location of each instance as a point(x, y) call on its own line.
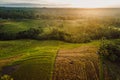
point(59, 40)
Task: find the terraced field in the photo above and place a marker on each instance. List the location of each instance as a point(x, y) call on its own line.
point(78, 64)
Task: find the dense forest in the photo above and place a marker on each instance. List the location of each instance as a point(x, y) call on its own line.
point(55, 13)
point(35, 13)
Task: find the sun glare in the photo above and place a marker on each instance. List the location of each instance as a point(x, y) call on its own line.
point(90, 4)
point(86, 3)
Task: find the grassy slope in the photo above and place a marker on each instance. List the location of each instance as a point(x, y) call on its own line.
point(10, 26)
point(20, 25)
point(31, 59)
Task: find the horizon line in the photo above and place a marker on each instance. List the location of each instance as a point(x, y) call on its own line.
point(45, 5)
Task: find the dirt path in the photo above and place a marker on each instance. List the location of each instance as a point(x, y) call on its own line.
point(77, 64)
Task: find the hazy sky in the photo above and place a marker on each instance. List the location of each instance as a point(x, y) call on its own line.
point(73, 3)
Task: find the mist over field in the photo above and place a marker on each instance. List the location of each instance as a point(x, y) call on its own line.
point(59, 40)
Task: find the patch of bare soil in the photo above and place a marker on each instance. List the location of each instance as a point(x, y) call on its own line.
point(8, 69)
point(77, 64)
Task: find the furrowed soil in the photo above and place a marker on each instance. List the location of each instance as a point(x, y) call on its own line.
point(78, 64)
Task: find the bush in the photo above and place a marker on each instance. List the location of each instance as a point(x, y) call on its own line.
point(110, 50)
point(55, 34)
point(7, 36)
point(6, 77)
point(32, 33)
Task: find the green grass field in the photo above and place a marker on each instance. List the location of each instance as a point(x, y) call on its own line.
point(31, 59)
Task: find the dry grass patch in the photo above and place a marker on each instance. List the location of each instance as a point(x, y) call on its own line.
point(77, 64)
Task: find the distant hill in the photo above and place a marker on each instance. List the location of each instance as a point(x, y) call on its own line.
point(33, 5)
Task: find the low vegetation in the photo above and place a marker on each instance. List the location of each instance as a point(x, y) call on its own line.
point(6, 77)
point(109, 52)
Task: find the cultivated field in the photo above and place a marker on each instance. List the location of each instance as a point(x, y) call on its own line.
point(81, 63)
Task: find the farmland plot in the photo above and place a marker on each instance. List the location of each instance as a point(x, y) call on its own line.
point(78, 64)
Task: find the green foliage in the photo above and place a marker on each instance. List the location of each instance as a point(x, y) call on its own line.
point(32, 33)
point(69, 31)
point(6, 77)
point(110, 50)
point(7, 36)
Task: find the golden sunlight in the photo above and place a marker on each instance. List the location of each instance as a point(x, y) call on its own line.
point(91, 3)
point(86, 3)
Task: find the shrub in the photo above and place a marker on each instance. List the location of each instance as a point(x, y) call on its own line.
point(7, 36)
point(32, 33)
point(110, 50)
point(6, 77)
